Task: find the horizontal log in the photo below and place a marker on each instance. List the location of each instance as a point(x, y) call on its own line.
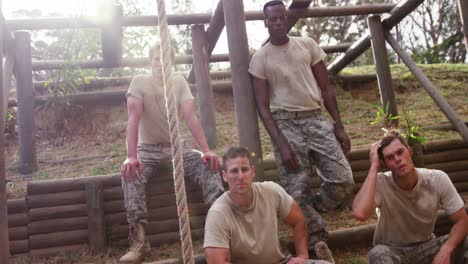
point(461, 186)
point(444, 144)
point(60, 250)
point(18, 246)
point(446, 155)
point(458, 176)
point(156, 227)
point(114, 206)
point(152, 189)
point(450, 166)
point(190, 19)
point(15, 220)
point(58, 225)
point(70, 184)
point(355, 78)
point(158, 214)
point(64, 211)
point(359, 165)
point(55, 199)
point(16, 206)
point(442, 127)
point(57, 239)
point(18, 233)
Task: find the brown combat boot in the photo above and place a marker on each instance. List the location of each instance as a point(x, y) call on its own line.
point(323, 252)
point(139, 247)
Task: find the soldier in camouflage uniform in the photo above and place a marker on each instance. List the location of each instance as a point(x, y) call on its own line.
point(291, 87)
point(407, 200)
point(148, 144)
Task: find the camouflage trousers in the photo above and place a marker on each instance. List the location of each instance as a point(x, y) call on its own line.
point(151, 156)
point(313, 138)
point(309, 261)
point(420, 253)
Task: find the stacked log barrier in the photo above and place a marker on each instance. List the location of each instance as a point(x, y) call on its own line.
point(18, 226)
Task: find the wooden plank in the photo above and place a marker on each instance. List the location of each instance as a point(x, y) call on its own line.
point(18, 246)
point(447, 155)
point(25, 93)
point(16, 206)
point(70, 184)
point(444, 144)
point(18, 233)
point(58, 225)
point(97, 238)
point(15, 220)
point(203, 82)
point(397, 14)
point(111, 36)
point(430, 88)
point(55, 199)
point(54, 212)
point(56, 239)
point(384, 76)
point(247, 121)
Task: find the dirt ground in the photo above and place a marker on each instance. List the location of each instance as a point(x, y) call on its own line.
point(94, 144)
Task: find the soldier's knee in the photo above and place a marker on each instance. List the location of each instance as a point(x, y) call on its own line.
point(380, 254)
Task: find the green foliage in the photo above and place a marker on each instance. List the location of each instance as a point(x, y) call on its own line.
point(411, 131)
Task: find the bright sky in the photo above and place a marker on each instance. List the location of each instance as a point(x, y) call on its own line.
point(74, 8)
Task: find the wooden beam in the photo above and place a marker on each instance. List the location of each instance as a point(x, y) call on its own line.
point(463, 7)
point(191, 19)
point(111, 37)
point(247, 121)
point(97, 237)
point(384, 76)
point(4, 248)
point(397, 14)
point(203, 83)
point(430, 88)
point(24, 86)
point(213, 32)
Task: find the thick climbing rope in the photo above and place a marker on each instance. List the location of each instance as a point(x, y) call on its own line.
point(177, 161)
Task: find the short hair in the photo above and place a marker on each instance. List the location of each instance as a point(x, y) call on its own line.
point(157, 47)
point(388, 138)
point(235, 152)
point(272, 3)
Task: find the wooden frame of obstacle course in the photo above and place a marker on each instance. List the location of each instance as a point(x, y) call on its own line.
point(239, 51)
point(71, 214)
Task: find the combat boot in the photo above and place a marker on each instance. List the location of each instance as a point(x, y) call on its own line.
point(323, 252)
point(139, 247)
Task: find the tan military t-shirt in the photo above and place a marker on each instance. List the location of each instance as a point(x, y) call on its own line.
point(153, 127)
point(250, 234)
point(409, 216)
point(287, 69)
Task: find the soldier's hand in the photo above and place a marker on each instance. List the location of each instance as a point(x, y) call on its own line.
point(343, 139)
point(129, 169)
point(374, 155)
point(213, 159)
point(289, 158)
point(297, 260)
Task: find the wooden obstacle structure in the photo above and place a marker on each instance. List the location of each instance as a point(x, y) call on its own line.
point(60, 215)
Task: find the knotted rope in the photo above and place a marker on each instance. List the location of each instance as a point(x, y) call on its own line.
point(178, 173)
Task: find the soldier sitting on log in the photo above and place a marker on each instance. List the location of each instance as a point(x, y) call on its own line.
point(242, 225)
point(148, 131)
point(407, 199)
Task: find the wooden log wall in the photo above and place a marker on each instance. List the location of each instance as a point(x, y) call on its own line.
point(54, 216)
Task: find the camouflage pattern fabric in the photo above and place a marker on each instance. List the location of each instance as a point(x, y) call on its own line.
point(151, 156)
point(313, 138)
point(310, 261)
point(423, 252)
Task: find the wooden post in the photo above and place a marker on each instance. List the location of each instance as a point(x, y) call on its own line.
point(4, 248)
point(23, 74)
point(97, 238)
point(397, 14)
point(203, 82)
point(384, 76)
point(111, 37)
point(463, 7)
point(430, 88)
point(247, 121)
point(213, 32)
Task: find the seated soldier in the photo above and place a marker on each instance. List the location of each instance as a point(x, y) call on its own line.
point(407, 199)
point(242, 225)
